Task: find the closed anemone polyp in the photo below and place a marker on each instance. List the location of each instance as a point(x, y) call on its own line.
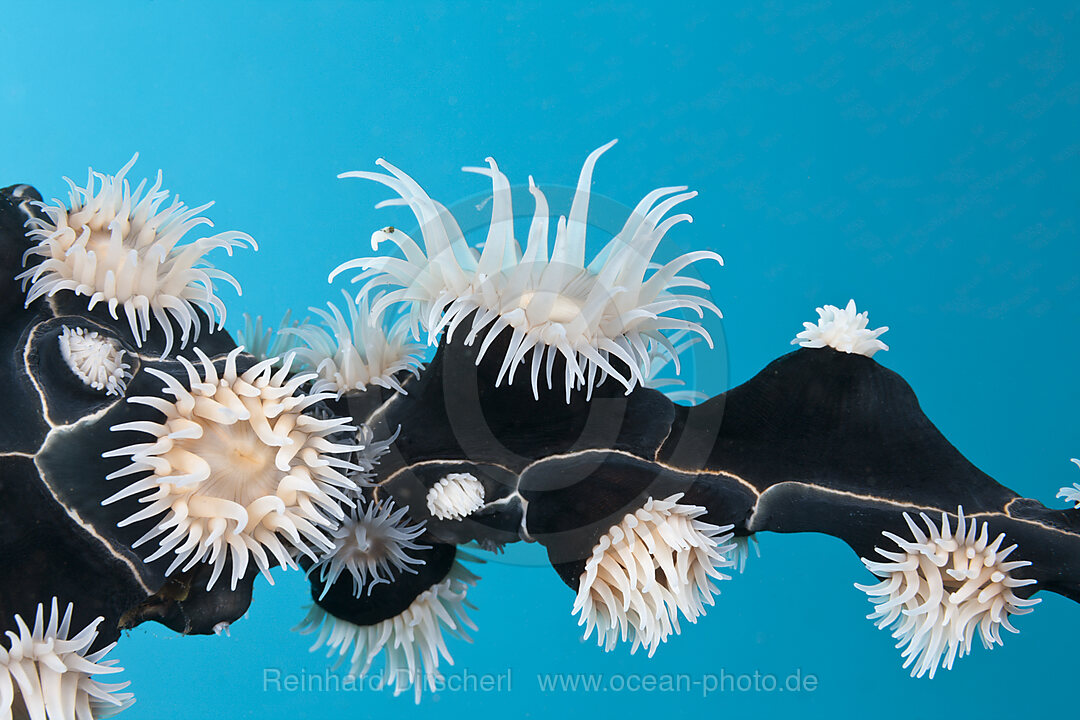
point(655, 563)
point(236, 469)
point(414, 641)
point(47, 672)
point(354, 353)
point(96, 360)
point(842, 329)
point(455, 496)
point(123, 249)
point(940, 588)
point(600, 317)
point(372, 544)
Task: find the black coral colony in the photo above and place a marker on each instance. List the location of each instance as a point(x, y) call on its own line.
point(151, 467)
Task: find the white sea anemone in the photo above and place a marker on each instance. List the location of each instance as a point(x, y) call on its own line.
point(654, 564)
point(46, 673)
point(414, 641)
point(455, 496)
point(374, 538)
point(844, 330)
point(357, 352)
point(121, 249)
point(615, 307)
point(95, 359)
point(237, 468)
point(1071, 494)
point(940, 588)
point(263, 342)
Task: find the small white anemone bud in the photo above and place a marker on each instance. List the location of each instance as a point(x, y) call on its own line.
point(95, 359)
point(455, 496)
point(1071, 494)
point(844, 330)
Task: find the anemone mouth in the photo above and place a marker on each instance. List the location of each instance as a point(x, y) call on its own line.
point(941, 588)
point(413, 642)
point(602, 317)
point(842, 329)
point(455, 496)
point(355, 352)
point(236, 469)
point(123, 249)
point(373, 544)
point(656, 563)
point(48, 672)
point(96, 360)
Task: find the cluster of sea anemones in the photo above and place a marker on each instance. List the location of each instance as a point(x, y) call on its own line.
point(48, 671)
point(237, 469)
point(656, 563)
point(601, 318)
point(123, 249)
point(941, 588)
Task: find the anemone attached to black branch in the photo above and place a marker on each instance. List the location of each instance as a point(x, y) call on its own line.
point(642, 504)
point(107, 436)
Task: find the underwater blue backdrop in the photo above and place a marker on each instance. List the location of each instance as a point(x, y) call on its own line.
point(922, 158)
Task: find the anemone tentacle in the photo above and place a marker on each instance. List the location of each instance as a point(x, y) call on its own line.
point(264, 342)
point(1072, 494)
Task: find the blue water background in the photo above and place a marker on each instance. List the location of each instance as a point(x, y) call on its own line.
point(919, 157)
